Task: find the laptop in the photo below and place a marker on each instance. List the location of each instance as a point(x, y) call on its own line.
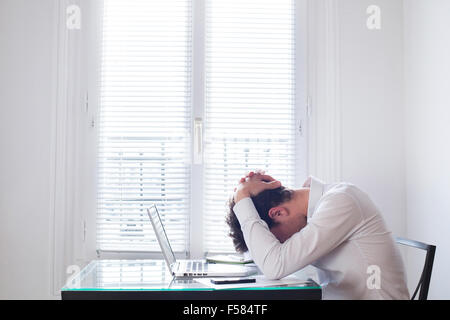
point(191, 268)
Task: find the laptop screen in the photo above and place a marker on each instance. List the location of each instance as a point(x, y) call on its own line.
point(161, 235)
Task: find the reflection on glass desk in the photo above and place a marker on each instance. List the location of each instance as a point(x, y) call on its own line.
point(151, 279)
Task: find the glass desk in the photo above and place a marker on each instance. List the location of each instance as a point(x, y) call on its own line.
point(150, 279)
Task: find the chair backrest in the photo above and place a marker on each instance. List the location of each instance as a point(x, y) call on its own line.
point(425, 278)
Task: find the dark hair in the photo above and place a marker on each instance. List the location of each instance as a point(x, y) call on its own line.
point(263, 202)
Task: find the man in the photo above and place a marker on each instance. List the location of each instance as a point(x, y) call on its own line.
point(334, 227)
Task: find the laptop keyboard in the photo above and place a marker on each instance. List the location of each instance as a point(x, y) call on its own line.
point(196, 267)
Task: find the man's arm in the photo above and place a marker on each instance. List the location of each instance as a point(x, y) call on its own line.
point(333, 223)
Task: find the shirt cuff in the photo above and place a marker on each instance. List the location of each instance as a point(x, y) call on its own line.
point(245, 211)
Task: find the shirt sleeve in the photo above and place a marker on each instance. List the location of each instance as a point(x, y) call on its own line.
point(334, 221)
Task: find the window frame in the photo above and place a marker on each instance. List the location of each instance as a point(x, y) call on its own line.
point(86, 228)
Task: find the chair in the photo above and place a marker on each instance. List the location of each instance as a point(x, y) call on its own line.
point(424, 282)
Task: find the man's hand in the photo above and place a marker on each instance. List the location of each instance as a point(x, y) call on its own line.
point(253, 184)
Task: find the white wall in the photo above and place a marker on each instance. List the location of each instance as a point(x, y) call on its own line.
point(26, 102)
point(373, 127)
point(427, 116)
point(371, 103)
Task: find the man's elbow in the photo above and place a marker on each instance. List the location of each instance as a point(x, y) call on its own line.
point(273, 271)
point(273, 266)
point(270, 276)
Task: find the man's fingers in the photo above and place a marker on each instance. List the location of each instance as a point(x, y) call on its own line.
point(267, 178)
point(254, 173)
point(269, 181)
point(274, 184)
point(249, 175)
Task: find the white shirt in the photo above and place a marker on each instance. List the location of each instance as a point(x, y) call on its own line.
point(345, 238)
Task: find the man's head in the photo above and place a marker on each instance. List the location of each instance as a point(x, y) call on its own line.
point(284, 211)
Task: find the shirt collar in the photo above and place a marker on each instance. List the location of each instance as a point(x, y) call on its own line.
point(316, 190)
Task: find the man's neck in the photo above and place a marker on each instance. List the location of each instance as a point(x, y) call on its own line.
point(301, 198)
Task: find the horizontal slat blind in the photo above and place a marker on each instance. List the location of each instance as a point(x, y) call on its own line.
point(144, 147)
point(250, 99)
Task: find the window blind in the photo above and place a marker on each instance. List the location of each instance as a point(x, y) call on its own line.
point(250, 100)
point(144, 147)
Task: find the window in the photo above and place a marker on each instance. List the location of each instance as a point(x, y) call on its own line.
point(144, 149)
point(250, 111)
point(250, 101)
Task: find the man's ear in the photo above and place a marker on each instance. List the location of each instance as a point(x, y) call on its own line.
point(277, 212)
